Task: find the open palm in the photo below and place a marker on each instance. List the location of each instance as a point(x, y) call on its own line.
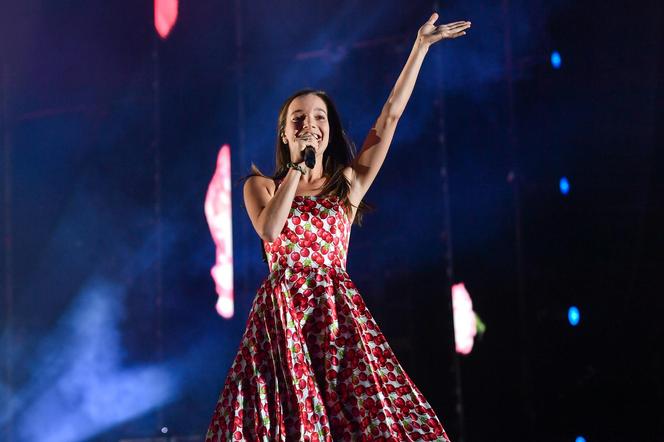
point(431, 33)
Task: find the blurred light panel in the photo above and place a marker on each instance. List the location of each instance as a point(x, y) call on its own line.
point(218, 213)
point(556, 60)
point(465, 321)
point(574, 316)
point(564, 186)
point(165, 16)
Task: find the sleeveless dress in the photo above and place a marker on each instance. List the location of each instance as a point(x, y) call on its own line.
point(312, 364)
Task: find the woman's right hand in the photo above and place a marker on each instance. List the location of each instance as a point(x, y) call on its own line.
point(305, 140)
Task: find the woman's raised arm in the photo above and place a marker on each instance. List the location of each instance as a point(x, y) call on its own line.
point(375, 147)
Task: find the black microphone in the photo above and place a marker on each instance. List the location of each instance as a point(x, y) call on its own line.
point(310, 157)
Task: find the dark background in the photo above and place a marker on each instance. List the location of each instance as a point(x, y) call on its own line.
point(110, 137)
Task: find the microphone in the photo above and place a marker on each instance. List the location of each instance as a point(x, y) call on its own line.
point(310, 157)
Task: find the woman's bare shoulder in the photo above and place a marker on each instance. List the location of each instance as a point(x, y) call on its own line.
point(259, 184)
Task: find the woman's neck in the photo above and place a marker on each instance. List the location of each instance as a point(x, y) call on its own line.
point(313, 175)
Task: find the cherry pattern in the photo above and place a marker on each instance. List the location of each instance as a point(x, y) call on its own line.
point(312, 364)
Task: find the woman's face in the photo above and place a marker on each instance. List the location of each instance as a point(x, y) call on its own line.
point(306, 117)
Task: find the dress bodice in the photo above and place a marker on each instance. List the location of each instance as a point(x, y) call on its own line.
point(316, 233)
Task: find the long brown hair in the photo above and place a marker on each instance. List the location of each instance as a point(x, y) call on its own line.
point(339, 154)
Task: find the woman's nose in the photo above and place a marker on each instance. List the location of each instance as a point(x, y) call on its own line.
point(309, 122)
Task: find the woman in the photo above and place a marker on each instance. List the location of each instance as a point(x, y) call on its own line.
point(312, 364)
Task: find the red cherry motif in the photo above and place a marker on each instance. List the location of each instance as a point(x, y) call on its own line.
point(310, 325)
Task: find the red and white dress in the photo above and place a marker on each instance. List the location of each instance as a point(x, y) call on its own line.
point(313, 364)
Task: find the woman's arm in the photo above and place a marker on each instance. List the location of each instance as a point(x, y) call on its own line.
point(268, 213)
point(375, 147)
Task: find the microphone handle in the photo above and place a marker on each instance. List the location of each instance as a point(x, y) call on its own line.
point(309, 157)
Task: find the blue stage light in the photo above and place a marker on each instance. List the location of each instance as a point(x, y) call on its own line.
point(574, 316)
point(556, 60)
point(580, 439)
point(564, 186)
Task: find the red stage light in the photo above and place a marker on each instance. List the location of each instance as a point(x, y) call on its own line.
point(165, 16)
point(218, 213)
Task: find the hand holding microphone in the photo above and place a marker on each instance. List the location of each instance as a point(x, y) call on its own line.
point(306, 143)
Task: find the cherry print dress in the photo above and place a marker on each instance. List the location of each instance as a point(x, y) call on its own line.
point(312, 364)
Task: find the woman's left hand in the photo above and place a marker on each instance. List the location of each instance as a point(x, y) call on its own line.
point(430, 33)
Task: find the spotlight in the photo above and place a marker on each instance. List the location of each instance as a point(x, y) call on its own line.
point(564, 186)
point(574, 316)
point(556, 60)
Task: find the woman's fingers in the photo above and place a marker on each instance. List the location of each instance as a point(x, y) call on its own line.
point(461, 25)
point(449, 34)
point(457, 23)
point(452, 31)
